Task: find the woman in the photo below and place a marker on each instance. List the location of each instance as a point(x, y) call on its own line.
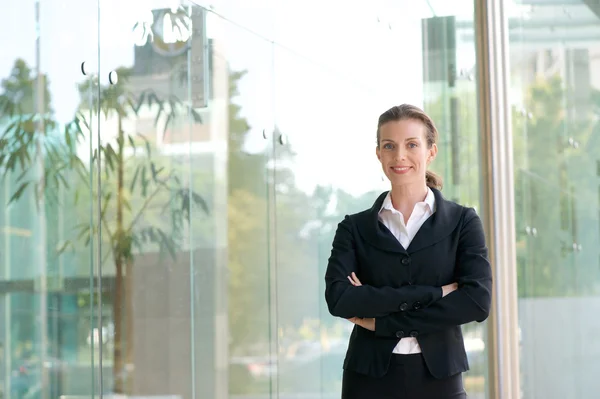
point(408, 272)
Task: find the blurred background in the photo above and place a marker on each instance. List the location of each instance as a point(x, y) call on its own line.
point(188, 262)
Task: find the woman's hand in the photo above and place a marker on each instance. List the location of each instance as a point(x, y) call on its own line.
point(449, 288)
point(354, 280)
point(368, 324)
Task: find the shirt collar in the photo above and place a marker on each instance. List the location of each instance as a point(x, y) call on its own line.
point(429, 202)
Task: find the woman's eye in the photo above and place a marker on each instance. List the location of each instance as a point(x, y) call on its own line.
point(412, 145)
point(388, 146)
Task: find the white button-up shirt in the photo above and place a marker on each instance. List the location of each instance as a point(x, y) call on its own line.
point(394, 221)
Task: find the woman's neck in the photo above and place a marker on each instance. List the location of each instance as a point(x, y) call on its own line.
point(405, 197)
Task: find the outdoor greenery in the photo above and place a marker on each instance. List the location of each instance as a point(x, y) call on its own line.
point(147, 203)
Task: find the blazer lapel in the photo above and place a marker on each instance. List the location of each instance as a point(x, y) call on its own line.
point(443, 221)
point(440, 225)
point(374, 232)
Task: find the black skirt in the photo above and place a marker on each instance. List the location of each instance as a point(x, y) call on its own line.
point(407, 378)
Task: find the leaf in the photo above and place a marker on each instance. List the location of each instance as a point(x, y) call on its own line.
point(167, 243)
point(17, 195)
point(110, 157)
point(132, 143)
point(147, 144)
point(198, 200)
point(77, 194)
point(196, 116)
point(152, 98)
point(155, 172)
point(166, 125)
point(145, 182)
point(83, 227)
point(141, 100)
point(65, 245)
point(120, 142)
point(105, 203)
point(23, 174)
point(135, 177)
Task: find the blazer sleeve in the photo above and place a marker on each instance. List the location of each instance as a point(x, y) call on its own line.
point(347, 301)
point(470, 302)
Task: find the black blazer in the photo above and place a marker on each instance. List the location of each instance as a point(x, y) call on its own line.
point(402, 286)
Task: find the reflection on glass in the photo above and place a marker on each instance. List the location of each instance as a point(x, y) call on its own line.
point(191, 262)
point(555, 92)
point(46, 303)
point(252, 362)
point(161, 218)
point(327, 100)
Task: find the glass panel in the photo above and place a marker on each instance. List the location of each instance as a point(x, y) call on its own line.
point(48, 335)
point(184, 186)
point(554, 93)
point(247, 61)
point(330, 88)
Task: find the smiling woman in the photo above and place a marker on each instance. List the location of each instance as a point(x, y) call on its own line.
point(221, 179)
point(414, 131)
point(408, 272)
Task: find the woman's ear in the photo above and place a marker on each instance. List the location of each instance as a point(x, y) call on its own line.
point(432, 153)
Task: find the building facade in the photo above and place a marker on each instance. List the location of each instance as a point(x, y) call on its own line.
point(174, 172)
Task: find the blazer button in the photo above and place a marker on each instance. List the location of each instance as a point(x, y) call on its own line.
point(414, 334)
point(406, 261)
point(404, 306)
point(417, 305)
point(400, 334)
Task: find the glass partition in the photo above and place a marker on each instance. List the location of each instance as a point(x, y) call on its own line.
point(175, 194)
point(330, 86)
point(554, 49)
point(174, 174)
point(48, 335)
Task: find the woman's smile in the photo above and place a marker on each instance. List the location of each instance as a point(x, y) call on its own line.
point(400, 170)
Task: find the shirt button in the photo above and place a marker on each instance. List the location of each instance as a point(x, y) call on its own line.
point(414, 334)
point(406, 261)
point(404, 306)
point(400, 334)
point(417, 305)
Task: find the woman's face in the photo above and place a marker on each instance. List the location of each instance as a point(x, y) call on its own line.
point(403, 151)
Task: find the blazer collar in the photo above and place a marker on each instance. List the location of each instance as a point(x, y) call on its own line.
point(429, 201)
point(439, 225)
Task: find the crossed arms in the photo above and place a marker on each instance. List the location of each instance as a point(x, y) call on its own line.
point(470, 302)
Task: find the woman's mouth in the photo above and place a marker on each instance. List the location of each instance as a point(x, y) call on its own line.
point(400, 170)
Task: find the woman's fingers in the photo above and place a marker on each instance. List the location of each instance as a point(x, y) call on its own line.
point(447, 289)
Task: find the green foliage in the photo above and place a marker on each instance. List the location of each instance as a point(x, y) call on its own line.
point(134, 178)
point(29, 133)
point(554, 165)
point(20, 89)
point(145, 205)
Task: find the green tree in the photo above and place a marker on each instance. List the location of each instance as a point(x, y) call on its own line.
point(19, 91)
point(248, 261)
point(554, 162)
point(144, 202)
point(251, 210)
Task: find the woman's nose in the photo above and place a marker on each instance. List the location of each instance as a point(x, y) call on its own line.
point(400, 154)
